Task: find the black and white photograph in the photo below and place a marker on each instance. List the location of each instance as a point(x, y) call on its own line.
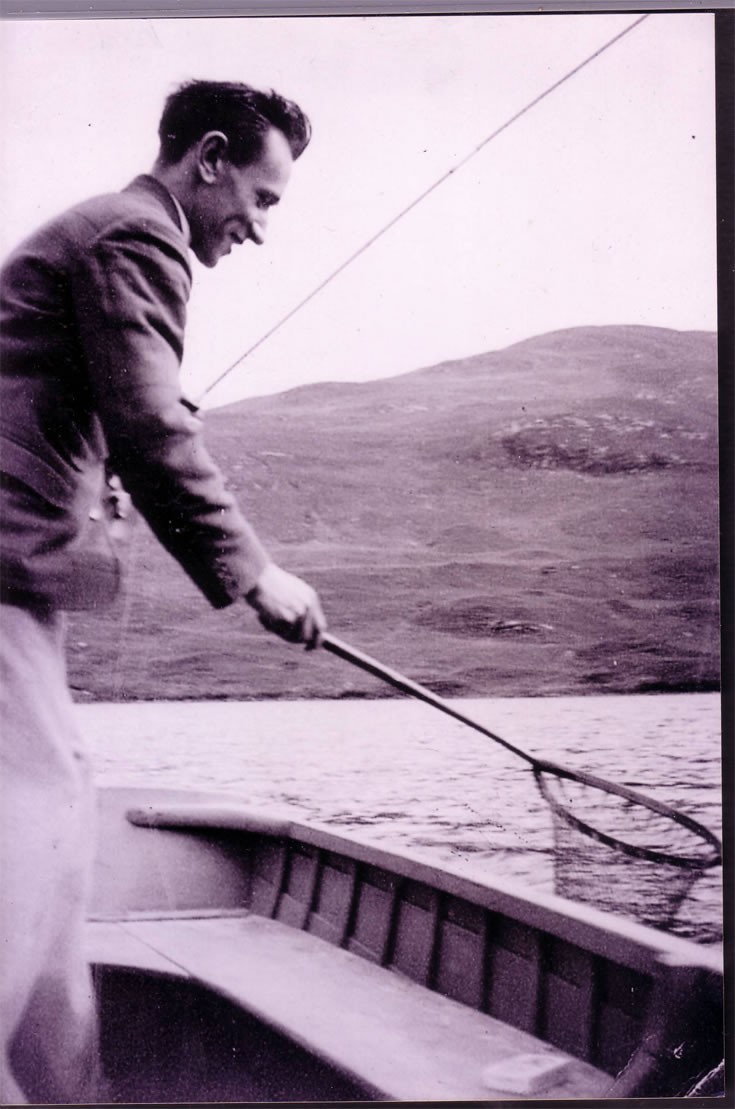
point(360, 634)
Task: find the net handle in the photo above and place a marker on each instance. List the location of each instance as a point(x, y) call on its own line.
point(414, 689)
point(540, 766)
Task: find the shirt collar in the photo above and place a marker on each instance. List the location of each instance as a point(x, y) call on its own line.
point(182, 218)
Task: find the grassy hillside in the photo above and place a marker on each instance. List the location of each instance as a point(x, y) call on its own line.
point(537, 520)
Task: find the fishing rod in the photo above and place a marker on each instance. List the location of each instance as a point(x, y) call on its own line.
point(414, 203)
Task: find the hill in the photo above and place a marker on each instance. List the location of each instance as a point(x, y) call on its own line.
point(537, 520)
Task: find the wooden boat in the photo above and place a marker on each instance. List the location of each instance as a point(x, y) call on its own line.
point(243, 957)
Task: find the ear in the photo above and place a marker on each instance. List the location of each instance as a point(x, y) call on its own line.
point(211, 155)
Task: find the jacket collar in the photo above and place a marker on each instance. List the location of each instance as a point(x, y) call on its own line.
point(146, 183)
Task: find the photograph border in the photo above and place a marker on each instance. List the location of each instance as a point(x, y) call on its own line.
point(724, 11)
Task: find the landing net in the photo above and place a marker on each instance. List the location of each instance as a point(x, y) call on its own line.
point(621, 851)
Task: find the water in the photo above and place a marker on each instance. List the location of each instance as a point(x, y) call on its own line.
point(399, 773)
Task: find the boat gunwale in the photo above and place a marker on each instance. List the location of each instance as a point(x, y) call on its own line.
point(602, 933)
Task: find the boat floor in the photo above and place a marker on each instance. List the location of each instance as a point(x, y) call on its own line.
point(396, 1039)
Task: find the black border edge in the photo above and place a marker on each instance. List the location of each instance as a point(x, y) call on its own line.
point(724, 108)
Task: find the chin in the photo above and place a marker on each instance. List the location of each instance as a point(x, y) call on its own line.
point(208, 260)
point(208, 255)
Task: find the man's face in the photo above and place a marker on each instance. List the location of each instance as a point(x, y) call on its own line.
point(234, 207)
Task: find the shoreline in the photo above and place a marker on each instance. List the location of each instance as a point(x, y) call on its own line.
point(79, 696)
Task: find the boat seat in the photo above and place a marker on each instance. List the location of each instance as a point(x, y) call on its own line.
point(398, 1040)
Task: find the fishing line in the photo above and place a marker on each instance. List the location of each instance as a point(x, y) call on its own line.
point(379, 234)
point(414, 203)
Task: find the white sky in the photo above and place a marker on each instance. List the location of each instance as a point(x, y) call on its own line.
point(597, 207)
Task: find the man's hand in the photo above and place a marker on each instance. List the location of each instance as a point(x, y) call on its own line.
point(288, 606)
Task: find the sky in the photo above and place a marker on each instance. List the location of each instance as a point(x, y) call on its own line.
point(596, 207)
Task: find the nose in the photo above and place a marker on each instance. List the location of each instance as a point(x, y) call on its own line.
point(257, 230)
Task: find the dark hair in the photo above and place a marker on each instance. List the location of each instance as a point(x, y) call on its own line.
point(242, 113)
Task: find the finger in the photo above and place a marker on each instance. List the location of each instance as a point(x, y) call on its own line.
point(313, 632)
point(317, 626)
point(306, 628)
point(320, 622)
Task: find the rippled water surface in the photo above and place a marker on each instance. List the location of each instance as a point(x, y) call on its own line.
point(400, 773)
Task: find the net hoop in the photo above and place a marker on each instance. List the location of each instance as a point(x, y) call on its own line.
point(684, 862)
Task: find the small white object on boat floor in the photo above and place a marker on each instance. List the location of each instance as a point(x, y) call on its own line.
point(526, 1074)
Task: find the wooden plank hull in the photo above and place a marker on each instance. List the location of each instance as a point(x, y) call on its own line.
point(288, 963)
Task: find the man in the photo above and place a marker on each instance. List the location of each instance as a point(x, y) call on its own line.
point(92, 309)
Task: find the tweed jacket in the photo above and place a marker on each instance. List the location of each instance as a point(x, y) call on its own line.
point(92, 317)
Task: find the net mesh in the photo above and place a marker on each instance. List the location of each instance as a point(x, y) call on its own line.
point(619, 854)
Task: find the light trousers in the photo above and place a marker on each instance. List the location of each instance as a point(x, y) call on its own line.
point(49, 1023)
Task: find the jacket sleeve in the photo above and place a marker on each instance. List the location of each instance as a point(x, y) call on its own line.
point(130, 293)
